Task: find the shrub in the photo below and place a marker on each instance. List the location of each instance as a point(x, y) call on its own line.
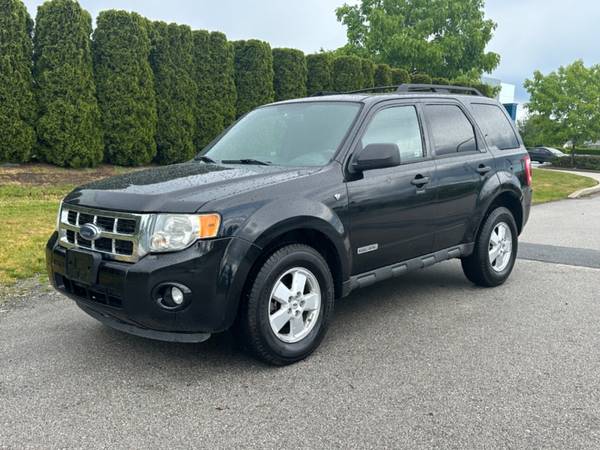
point(420, 78)
point(487, 89)
point(581, 162)
point(383, 75)
point(289, 73)
point(347, 73)
point(253, 74)
point(400, 76)
point(125, 87)
point(224, 75)
point(17, 110)
point(441, 81)
point(68, 125)
point(319, 67)
point(368, 72)
point(171, 61)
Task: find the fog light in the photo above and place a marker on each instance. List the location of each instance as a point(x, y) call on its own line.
point(176, 295)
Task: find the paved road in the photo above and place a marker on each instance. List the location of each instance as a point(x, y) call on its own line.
point(427, 360)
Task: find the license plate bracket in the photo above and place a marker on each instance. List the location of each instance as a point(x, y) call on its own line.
point(82, 266)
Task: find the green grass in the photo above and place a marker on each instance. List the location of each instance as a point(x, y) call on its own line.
point(550, 185)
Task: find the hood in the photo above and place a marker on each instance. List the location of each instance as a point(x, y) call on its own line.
point(179, 188)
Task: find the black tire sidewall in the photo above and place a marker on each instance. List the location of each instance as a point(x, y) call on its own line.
point(498, 215)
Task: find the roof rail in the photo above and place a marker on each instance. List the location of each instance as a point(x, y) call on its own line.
point(438, 88)
point(322, 93)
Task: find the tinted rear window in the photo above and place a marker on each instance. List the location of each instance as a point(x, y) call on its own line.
point(450, 129)
point(495, 126)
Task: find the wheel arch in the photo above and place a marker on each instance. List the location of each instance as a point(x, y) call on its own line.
point(508, 199)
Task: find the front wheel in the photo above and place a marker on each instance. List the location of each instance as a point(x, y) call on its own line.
point(289, 306)
point(495, 251)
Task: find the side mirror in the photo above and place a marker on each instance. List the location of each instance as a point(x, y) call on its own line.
point(377, 156)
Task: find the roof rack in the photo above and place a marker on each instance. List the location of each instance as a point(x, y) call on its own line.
point(407, 88)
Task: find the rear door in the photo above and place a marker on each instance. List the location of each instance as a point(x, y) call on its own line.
point(462, 167)
point(391, 208)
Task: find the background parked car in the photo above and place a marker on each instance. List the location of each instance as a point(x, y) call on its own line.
point(544, 154)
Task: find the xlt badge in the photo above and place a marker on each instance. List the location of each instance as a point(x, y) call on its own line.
point(367, 248)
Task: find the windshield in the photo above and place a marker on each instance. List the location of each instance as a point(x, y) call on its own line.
point(555, 151)
point(293, 134)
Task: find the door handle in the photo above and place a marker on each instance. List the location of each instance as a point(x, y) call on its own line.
point(482, 169)
point(420, 180)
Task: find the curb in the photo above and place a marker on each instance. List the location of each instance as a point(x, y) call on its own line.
point(585, 192)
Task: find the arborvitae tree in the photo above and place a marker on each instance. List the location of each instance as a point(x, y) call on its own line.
point(171, 60)
point(420, 78)
point(125, 86)
point(289, 69)
point(383, 75)
point(320, 68)
point(440, 80)
point(400, 76)
point(368, 72)
point(213, 73)
point(223, 62)
point(347, 73)
point(17, 110)
point(253, 74)
point(68, 126)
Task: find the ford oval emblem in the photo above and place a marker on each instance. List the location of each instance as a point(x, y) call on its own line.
point(89, 231)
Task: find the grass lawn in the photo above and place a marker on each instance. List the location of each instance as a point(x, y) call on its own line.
point(30, 194)
point(549, 185)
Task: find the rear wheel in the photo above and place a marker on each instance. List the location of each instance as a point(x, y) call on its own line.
point(289, 306)
point(495, 251)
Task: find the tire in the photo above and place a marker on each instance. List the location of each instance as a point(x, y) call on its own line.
point(477, 267)
point(260, 308)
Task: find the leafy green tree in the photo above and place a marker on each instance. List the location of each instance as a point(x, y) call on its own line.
point(420, 78)
point(537, 131)
point(253, 74)
point(290, 73)
point(566, 102)
point(222, 54)
point(125, 86)
point(368, 73)
point(347, 73)
point(320, 68)
point(68, 126)
point(400, 76)
point(383, 75)
point(440, 37)
point(17, 110)
point(171, 60)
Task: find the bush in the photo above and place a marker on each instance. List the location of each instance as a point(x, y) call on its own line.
point(581, 162)
point(289, 70)
point(400, 76)
point(68, 126)
point(383, 75)
point(420, 78)
point(125, 87)
point(17, 110)
point(441, 81)
point(368, 73)
point(253, 74)
point(223, 62)
point(347, 73)
point(320, 68)
point(582, 151)
point(171, 60)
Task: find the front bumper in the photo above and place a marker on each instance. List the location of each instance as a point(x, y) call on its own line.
point(122, 294)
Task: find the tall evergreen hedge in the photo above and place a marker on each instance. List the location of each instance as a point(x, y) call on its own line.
point(222, 54)
point(420, 78)
point(125, 86)
point(319, 67)
point(68, 125)
point(383, 75)
point(17, 109)
point(289, 73)
point(400, 76)
point(171, 60)
point(253, 74)
point(368, 73)
point(347, 73)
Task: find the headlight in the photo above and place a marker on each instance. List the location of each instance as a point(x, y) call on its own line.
point(58, 215)
point(170, 232)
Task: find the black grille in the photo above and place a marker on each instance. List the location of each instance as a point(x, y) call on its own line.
point(85, 218)
point(103, 244)
point(72, 217)
point(126, 226)
point(84, 242)
point(85, 292)
point(71, 236)
point(124, 247)
point(105, 223)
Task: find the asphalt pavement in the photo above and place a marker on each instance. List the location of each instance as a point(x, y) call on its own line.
point(427, 360)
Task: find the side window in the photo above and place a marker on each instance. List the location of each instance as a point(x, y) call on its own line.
point(495, 126)
point(396, 125)
point(450, 129)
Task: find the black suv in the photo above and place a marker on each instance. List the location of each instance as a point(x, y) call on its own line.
point(295, 205)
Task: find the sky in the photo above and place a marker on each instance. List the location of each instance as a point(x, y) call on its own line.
point(531, 34)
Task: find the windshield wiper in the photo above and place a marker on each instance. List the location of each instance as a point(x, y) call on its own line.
point(246, 161)
point(205, 159)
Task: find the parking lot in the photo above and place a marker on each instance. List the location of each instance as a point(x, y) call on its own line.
point(420, 361)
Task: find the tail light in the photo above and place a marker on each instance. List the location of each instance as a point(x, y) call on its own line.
point(528, 173)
